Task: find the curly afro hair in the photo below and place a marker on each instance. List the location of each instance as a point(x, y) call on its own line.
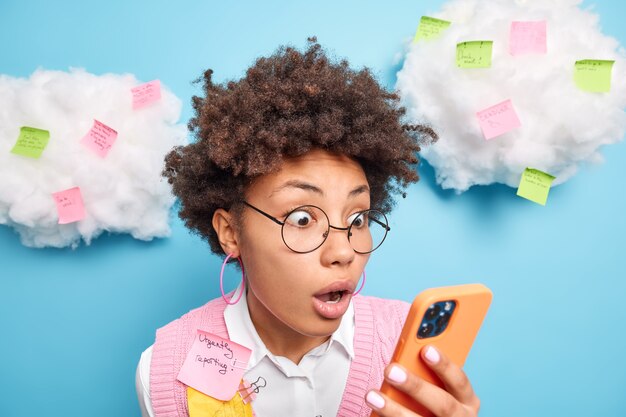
point(286, 105)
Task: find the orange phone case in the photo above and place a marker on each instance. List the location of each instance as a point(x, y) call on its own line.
point(472, 303)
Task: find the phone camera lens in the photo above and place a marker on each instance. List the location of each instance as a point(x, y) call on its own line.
point(425, 330)
point(433, 311)
point(442, 320)
point(436, 319)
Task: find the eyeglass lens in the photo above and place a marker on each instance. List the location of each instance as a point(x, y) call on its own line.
point(306, 228)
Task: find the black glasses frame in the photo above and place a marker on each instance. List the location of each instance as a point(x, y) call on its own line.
point(330, 226)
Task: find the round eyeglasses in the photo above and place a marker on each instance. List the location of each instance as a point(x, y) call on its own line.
point(306, 228)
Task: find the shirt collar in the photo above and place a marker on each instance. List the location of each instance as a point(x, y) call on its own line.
point(241, 330)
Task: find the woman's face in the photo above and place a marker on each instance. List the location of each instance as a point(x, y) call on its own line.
point(302, 293)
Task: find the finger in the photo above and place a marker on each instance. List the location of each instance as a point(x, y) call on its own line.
point(452, 376)
point(430, 396)
point(386, 407)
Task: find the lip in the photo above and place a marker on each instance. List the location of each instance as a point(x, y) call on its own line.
point(342, 285)
point(337, 310)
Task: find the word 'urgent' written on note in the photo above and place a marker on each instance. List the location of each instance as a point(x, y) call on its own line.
point(214, 366)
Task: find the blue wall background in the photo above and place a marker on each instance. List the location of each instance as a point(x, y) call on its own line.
point(73, 323)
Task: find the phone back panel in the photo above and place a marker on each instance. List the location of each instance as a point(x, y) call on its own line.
point(472, 303)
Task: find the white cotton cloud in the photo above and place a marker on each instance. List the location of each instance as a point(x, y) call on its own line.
point(562, 126)
point(122, 193)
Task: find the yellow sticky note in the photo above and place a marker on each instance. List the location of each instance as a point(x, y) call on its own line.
point(474, 54)
point(31, 142)
point(201, 405)
point(430, 28)
point(535, 185)
point(593, 75)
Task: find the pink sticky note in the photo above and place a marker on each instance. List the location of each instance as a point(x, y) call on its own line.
point(69, 205)
point(100, 138)
point(247, 392)
point(497, 120)
point(528, 38)
point(146, 94)
point(214, 366)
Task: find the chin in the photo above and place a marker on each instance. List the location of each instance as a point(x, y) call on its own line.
point(322, 327)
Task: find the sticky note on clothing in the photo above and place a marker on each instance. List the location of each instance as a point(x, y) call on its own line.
point(100, 138)
point(593, 75)
point(146, 94)
point(474, 54)
point(31, 142)
point(69, 205)
point(528, 38)
point(497, 120)
point(430, 28)
point(535, 185)
point(201, 405)
point(214, 366)
point(247, 391)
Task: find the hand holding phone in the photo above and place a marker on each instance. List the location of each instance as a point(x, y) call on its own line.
point(449, 319)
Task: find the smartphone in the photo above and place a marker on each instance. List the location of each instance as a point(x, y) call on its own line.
point(449, 319)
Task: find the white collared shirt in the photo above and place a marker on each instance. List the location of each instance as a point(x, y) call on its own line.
point(312, 388)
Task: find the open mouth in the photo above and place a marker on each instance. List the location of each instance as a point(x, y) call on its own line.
point(332, 297)
point(333, 300)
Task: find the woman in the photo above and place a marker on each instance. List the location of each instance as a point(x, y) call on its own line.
point(293, 168)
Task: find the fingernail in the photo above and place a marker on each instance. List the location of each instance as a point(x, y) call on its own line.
point(375, 400)
point(432, 355)
point(396, 374)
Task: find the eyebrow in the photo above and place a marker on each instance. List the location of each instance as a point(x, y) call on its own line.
point(302, 185)
point(359, 190)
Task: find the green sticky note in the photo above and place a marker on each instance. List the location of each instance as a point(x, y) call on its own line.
point(535, 185)
point(474, 54)
point(31, 142)
point(430, 28)
point(593, 75)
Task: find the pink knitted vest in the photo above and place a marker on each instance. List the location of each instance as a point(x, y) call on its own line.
point(378, 323)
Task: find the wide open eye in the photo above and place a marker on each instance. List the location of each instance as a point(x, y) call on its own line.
point(300, 218)
point(358, 220)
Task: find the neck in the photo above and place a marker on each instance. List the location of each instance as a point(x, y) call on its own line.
point(279, 338)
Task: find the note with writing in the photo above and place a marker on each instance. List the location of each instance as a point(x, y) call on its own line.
point(535, 185)
point(31, 142)
point(69, 205)
point(497, 120)
point(214, 366)
point(474, 54)
point(430, 28)
point(146, 94)
point(528, 38)
point(100, 138)
point(593, 75)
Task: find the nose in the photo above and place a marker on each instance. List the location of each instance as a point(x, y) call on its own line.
point(337, 250)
